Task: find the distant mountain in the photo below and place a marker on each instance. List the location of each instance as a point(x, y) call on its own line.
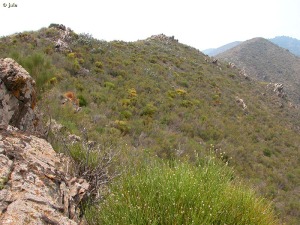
point(292, 44)
point(289, 43)
point(216, 51)
point(266, 61)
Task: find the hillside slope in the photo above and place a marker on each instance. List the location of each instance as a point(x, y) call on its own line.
point(292, 44)
point(267, 62)
point(160, 97)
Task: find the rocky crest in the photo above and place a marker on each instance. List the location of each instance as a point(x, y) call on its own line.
point(163, 38)
point(61, 44)
point(34, 185)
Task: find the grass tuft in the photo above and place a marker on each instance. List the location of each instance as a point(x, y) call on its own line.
point(181, 193)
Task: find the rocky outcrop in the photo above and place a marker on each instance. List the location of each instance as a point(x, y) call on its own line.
point(280, 98)
point(17, 96)
point(61, 44)
point(241, 103)
point(231, 65)
point(244, 74)
point(34, 187)
point(278, 89)
point(163, 38)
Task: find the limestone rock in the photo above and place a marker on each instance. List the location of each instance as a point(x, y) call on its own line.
point(278, 89)
point(55, 127)
point(241, 103)
point(17, 96)
point(231, 65)
point(34, 188)
point(62, 43)
point(244, 74)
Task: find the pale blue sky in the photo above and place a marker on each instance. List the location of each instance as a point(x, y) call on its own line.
point(198, 23)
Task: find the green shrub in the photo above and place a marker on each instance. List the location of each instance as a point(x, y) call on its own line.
point(126, 114)
point(82, 101)
point(98, 70)
point(186, 103)
point(149, 110)
point(171, 94)
point(99, 65)
point(126, 102)
point(122, 126)
point(71, 55)
point(232, 75)
point(180, 193)
point(181, 92)
point(53, 81)
point(99, 97)
point(81, 61)
point(116, 73)
point(183, 83)
point(79, 86)
point(132, 93)
point(39, 67)
point(109, 85)
point(267, 152)
point(76, 65)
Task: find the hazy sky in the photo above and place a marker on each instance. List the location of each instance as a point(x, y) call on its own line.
point(198, 23)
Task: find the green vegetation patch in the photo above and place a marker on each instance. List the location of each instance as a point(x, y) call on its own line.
point(181, 193)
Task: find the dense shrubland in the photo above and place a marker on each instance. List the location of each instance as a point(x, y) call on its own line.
point(151, 99)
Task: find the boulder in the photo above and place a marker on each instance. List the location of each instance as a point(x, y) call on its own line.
point(17, 96)
point(241, 103)
point(278, 89)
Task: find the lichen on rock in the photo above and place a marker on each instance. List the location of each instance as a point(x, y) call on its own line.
point(34, 186)
point(17, 96)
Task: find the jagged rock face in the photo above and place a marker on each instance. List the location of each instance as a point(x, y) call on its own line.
point(17, 96)
point(34, 189)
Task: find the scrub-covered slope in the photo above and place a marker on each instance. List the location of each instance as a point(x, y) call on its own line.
point(160, 97)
